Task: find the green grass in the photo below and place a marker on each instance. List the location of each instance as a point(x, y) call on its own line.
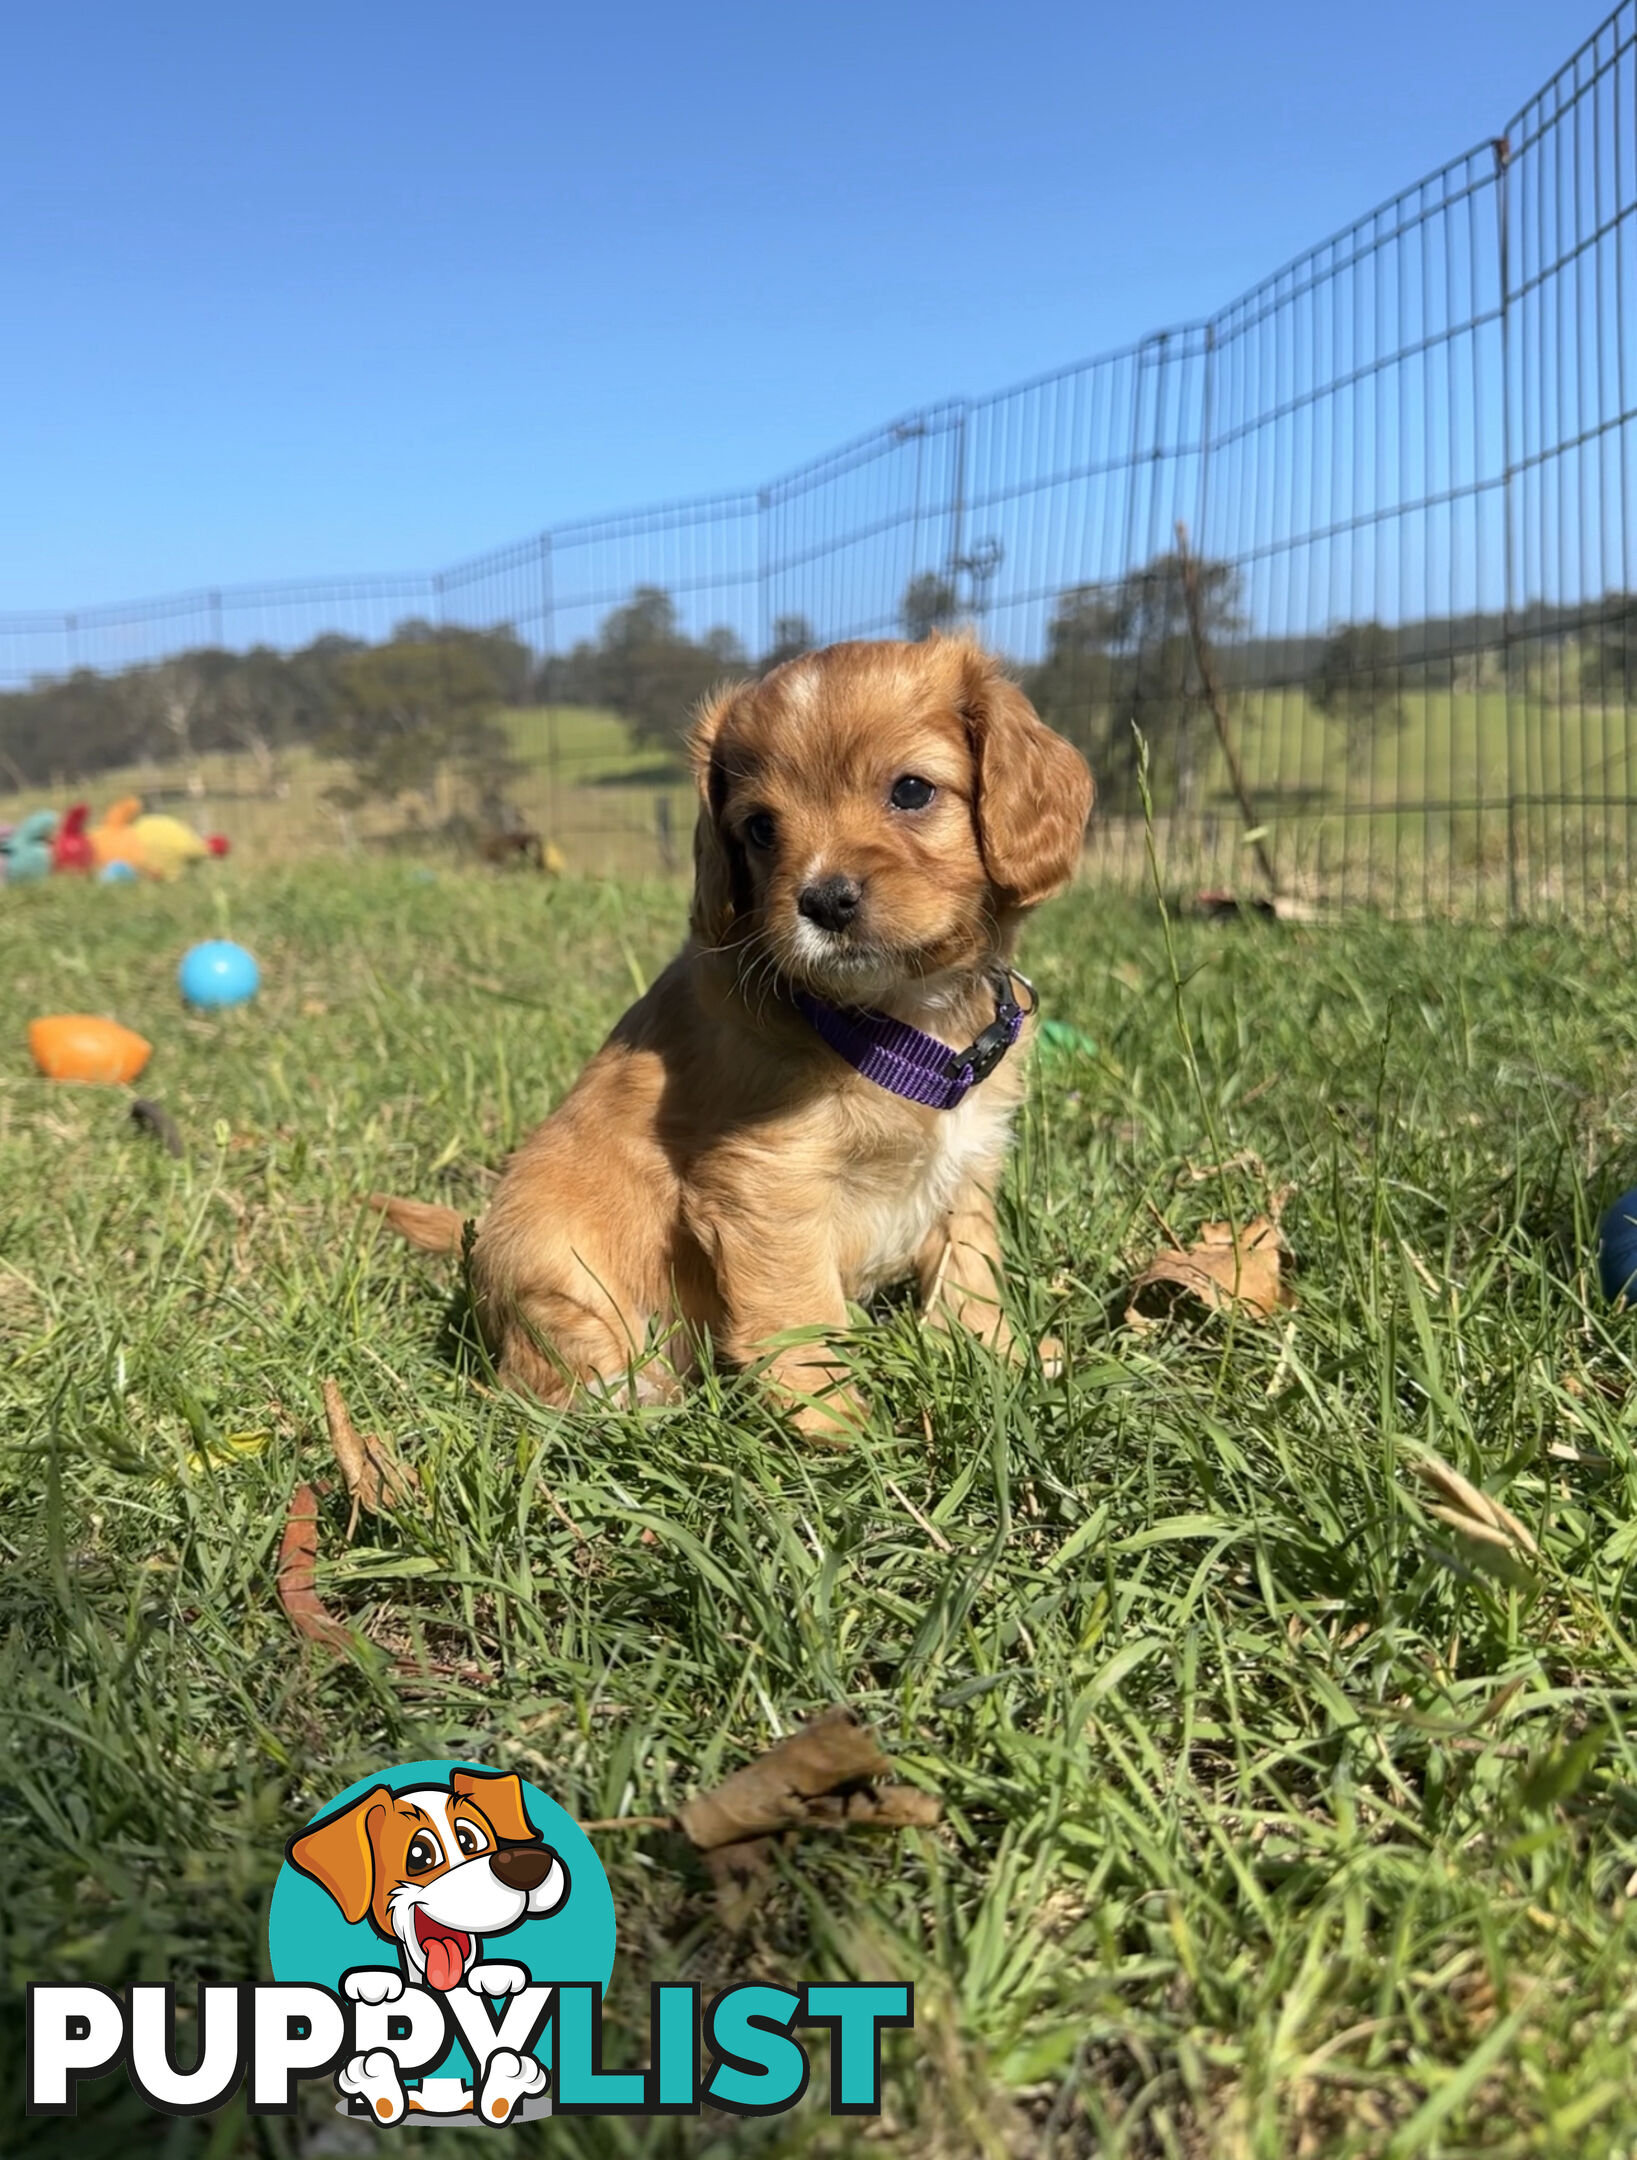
point(1354, 830)
point(1275, 1823)
point(581, 781)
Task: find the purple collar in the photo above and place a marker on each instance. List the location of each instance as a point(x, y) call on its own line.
point(908, 1062)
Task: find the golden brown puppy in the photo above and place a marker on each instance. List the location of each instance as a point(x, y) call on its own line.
point(742, 1156)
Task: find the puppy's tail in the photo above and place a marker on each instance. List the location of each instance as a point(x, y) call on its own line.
point(432, 1229)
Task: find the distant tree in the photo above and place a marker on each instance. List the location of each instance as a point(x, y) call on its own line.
point(407, 711)
point(1608, 664)
point(1122, 654)
point(79, 724)
point(1356, 684)
point(792, 636)
point(930, 603)
point(643, 666)
point(172, 699)
point(502, 649)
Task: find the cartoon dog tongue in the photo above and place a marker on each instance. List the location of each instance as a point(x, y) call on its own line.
point(447, 1950)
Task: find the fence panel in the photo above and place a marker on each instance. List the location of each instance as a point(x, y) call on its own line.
point(1403, 468)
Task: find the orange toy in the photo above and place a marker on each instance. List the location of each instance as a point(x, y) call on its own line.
point(112, 840)
point(77, 1046)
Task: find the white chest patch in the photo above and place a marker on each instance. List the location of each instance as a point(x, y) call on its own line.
point(891, 1203)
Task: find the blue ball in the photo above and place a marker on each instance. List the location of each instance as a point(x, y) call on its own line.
point(116, 873)
point(1617, 1249)
point(218, 973)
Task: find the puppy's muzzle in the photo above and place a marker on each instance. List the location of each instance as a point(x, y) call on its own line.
point(831, 902)
point(522, 1867)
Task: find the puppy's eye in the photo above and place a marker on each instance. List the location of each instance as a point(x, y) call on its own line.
point(911, 793)
point(760, 830)
point(424, 1852)
point(466, 1836)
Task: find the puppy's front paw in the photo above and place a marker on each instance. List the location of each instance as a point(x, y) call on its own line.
point(507, 2078)
point(830, 1419)
point(373, 1984)
point(1053, 1357)
point(497, 1979)
point(374, 2079)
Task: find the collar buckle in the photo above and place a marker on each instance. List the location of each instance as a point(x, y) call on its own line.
point(985, 1052)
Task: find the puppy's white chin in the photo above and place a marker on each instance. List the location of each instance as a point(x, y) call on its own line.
point(847, 971)
point(844, 974)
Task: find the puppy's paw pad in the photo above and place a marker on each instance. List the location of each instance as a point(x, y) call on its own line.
point(373, 1984)
point(497, 1979)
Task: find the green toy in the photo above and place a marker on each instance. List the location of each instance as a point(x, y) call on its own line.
point(1058, 1035)
point(28, 848)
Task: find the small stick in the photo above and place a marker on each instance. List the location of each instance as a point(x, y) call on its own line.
point(908, 1504)
point(1218, 704)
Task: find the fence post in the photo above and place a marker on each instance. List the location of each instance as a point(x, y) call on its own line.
point(764, 570)
point(663, 834)
point(1514, 864)
point(957, 505)
point(1503, 237)
point(548, 647)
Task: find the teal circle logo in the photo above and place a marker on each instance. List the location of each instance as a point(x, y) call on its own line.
point(442, 1890)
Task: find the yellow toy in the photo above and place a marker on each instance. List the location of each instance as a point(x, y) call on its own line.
point(167, 846)
point(159, 847)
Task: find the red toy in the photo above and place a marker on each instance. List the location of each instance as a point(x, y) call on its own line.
point(71, 850)
point(216, 842)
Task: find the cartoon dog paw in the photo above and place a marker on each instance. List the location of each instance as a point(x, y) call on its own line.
point(374, 2079)
point(373, 1984)
point(507, 2078)
point(497, 1979)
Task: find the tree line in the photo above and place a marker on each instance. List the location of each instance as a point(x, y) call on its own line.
point(1118, 659)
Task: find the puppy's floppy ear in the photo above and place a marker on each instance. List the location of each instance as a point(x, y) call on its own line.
point(339, 1854)
point(1034, 790)
point(501, 1799)
point(720, 889)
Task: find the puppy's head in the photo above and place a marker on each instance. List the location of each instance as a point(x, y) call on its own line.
point(435, 1869)
point(877, 814)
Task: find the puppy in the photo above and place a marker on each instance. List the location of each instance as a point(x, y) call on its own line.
point(813, 1099)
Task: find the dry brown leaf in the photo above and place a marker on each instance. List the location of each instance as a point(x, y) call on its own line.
point(776, 1791)
point(298, 1557)
point(375, 1478)
point(1226, 1269)
point(824, 1777)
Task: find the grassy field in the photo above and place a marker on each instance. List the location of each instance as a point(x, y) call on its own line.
point(1280, 1818)
point(1349, 828)
point(583, 784)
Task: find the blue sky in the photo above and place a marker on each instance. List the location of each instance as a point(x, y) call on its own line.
point(309, 289)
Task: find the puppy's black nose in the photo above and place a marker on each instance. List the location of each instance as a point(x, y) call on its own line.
point(522, 1867)
point(831, 903)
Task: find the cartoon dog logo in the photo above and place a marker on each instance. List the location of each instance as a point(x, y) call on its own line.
point(436, 1871)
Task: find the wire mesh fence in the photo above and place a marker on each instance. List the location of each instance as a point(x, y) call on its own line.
point(1398, 473)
